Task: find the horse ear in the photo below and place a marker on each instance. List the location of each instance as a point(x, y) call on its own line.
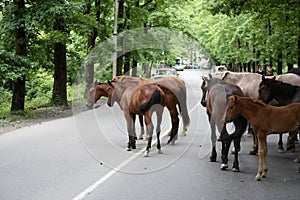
point(96, 83)
point(274, 77)
point(210, 76)
point(235, 97)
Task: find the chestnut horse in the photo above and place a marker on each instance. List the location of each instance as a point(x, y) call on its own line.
point(132, 99)
point(217, 94)
point(265, 119)
point(150, 97)
point(98, 90)
point(171, 83)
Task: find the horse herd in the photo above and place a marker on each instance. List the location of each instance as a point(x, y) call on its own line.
point(228, 97)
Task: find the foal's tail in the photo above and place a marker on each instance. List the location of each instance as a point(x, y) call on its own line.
point(154, 99)
point(183, 107)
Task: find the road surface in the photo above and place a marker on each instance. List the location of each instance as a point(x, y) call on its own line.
point(84, 157)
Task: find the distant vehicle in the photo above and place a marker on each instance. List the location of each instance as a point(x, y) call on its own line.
point(164, 72)
point(179, 67)
point(220, 68)
point(195, 66)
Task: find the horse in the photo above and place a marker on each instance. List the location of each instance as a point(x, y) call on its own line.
point(249, 83)
point(127, 96)
point(265, 119)
point(172, 83)
point(284, 93)
point(217, 94)
point(97, 90)
point(150, 97)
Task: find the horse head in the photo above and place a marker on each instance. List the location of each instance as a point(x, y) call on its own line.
point(265, 89)
point(96, 92)
point(231, 111)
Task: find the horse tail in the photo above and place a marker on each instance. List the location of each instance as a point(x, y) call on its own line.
point(154, 99)
point(183, 107)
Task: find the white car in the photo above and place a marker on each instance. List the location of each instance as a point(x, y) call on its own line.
point(164, 72)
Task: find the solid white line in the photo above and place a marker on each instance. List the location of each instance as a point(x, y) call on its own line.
point(92, 187)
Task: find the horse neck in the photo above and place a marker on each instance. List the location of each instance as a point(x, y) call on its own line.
point(249, 108)
point(283, 93)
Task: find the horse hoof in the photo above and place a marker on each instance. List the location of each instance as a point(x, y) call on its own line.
point(224, 166)
point(212, 159)
point(234, 169)
point(146, 154)
point(252, 152)
point(159, 151)
point(280, 150)
point(291, 148)
point(257, 178)
point(128, 149)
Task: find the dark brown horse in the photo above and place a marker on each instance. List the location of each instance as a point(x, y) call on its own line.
point(284, 94)
point(217, 94)
point(265, 119)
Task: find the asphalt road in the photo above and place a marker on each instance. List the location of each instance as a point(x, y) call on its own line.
point(84, 157)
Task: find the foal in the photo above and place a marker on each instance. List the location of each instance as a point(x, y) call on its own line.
point(265, 119)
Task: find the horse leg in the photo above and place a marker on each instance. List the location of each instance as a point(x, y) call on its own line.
point(280, 144)
point(213, 138)
point(130, 119)
point(237, 146)
point(159, 112)
point(175, 124)
point(142, 133)
point(149, 129)
point(224, 156)
point(262, 155)
point(290, 143)
point(254, 148)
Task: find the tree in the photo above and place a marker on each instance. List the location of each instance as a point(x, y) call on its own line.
point(18, 98)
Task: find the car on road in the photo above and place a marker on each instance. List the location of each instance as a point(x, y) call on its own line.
point(164, 72)
point(217, 69)
point(179, 67)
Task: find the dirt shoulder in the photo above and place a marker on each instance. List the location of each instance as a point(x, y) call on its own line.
point(42, 115)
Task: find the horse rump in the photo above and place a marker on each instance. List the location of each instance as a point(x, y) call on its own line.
point(154, 99)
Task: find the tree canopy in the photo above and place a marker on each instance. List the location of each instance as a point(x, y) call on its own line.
point(44, 43)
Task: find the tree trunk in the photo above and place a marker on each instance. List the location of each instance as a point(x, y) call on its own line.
point(91, 41)
point(134, 68)
point(279, 63)
point(59, 95)
point(18, 98)
point(120, 40)
point(127, 64)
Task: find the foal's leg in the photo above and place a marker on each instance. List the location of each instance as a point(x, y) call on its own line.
point(262, 156)
point(254, 148)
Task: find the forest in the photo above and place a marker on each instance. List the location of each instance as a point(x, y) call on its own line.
point(44, 43)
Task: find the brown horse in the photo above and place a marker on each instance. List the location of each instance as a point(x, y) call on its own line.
point(98, 90)
point(131, 96)
point(170, 83)
point(217, 94)
point(150, 97)
point(249, 83)
point(265, 119)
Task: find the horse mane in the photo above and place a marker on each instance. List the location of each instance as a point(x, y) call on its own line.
point(256, 101)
